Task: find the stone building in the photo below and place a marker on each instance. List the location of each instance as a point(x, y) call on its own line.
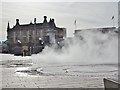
point(33, 37)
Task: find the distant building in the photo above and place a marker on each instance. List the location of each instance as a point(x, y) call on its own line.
point(103, 30)
point(32, 37)
point(3, 47)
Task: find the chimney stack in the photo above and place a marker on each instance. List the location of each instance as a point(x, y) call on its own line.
point(53, 20)
point(34, 20)
point(45, 19)
point(17, 21)
point(8, 27)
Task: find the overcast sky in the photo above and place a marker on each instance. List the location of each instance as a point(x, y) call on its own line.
point(86, 14)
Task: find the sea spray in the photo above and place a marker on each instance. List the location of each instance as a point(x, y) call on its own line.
point(92, 47)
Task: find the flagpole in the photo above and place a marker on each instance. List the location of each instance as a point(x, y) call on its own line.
point(113, 22)
point(75, 25)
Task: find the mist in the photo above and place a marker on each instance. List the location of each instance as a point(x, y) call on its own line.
point(91, 47)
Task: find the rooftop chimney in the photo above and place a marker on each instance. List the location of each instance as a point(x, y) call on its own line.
point(45, 19)
point(8, 27)
point(34, 20)
point(17, 21)
point(53, 20)
point(53, 23)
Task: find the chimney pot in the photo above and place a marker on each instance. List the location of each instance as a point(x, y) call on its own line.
point(45, 19)
point(17, 21)
point(34, 20)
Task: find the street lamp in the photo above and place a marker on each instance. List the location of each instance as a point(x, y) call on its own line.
point(42, 43)
point(19, 41)
point(40, 39)
point(58, 42)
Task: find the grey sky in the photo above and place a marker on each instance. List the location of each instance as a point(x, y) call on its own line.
point(87, 14)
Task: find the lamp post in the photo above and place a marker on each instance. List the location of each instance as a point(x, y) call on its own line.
point(41, 43)
point(40, 39)
point(30, 50)
point(19, 42)
point(19, 46)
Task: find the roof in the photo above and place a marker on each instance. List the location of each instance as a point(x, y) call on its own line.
point(105, 28)
point(34, 26)
point(29, 26)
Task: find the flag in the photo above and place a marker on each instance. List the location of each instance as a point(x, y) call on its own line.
point(75, 22)
point(112, 17)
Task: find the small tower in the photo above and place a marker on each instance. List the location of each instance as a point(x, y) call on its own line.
point(8, 26)
point(45, 19)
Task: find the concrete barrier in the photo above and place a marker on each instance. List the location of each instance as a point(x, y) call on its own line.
point(110, 84)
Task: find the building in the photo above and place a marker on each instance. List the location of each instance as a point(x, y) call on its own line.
point(103, 30)
point(31, 38)
point(3, 47)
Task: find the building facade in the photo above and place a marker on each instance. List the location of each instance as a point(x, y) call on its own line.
point(103, 30)
point(33, 37)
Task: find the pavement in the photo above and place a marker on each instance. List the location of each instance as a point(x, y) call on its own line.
point(11, 79)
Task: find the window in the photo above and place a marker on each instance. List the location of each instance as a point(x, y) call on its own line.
point(24, 39)
point(24, 33)
point(30, 39)
point(30, 32)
